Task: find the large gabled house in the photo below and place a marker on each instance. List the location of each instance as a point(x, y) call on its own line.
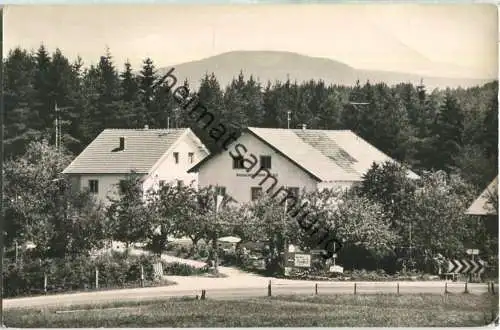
point(158, 155)
point(264, 159)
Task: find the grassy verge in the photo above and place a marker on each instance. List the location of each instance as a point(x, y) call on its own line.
point(281, 311)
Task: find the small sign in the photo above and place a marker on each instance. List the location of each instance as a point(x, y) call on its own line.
point(288, 270)
point(336, 269)
point(472, 251)
point(302, 260)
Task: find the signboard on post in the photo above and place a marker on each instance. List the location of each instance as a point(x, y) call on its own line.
point(336, 269)
point(472, 251)
point(302, 260)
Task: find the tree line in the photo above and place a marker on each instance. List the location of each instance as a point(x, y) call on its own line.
point(455, 130)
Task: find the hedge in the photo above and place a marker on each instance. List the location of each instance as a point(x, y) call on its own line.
point(115, 270)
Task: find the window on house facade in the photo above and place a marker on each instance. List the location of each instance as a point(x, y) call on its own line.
point(176, 157)
point(238, 163)
point(265, 162)
point(220, 190)
point(94, 186)
point(191, 157)
point(256, 192)
point(293, 191)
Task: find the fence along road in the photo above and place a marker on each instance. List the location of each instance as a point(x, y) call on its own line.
point(256, 289)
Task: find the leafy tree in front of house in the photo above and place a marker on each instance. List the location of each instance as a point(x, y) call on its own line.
point(439, 223)
point(358, 223)
point(264, 221)
point(388, 184)
point(169, 205)
point(215, 222)
point(41, 208)
point(129, 218)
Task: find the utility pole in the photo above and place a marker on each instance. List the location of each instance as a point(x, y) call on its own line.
point(2, 210)
point(288, 118)
point(285, 243)
point(57, 125)
point(411, 246)
point(218, 201)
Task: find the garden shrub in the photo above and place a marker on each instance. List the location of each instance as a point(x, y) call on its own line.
point(180, 269)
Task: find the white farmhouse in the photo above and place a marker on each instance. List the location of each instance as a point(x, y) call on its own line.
point(265, 159)
point(158, 155)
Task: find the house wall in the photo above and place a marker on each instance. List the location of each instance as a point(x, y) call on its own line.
point(107, 184)
point(335, 185)
point(166, 169)
point(169, 171)
point(219, 171)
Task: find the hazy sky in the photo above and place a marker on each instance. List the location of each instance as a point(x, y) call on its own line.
point(447, 40)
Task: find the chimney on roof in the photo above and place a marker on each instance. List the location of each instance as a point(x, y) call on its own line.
point(146, 126)
point(304, 127)
point(122, 143)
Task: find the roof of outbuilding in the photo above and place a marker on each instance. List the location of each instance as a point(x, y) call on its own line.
point(482, 205)
point(143, 148)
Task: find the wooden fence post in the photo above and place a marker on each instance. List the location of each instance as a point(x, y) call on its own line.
point(354, 288)
point(316, 289)
point(466, 289)
point(445, 287)
point(269, 293)
point(142, 276)
point(203, 294)
point(398, 288)
point(45, 282)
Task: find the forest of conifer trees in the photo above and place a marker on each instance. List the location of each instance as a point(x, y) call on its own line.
point(455, 130)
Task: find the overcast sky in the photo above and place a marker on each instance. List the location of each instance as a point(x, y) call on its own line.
point(447, 40)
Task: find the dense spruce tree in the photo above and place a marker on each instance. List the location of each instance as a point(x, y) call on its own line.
point(21, 117)
point(64, 94)
point(132, 108)
point(44, 92)
point(254, 109)
point(270, 106)
point(147, 78)
point(211, 96)
point(448, 131)
point(490, 130)
point(235, 102)
point(92, 113)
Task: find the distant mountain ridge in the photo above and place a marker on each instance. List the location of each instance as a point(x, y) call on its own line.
point(274, 65)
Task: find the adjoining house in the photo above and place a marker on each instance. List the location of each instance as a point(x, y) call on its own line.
point(483, 205)
point(264, 159)
point(160, 156)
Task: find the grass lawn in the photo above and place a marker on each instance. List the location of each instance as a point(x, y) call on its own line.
point(280, 311)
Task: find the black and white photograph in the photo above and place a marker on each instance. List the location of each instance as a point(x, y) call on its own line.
point(249, 165)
